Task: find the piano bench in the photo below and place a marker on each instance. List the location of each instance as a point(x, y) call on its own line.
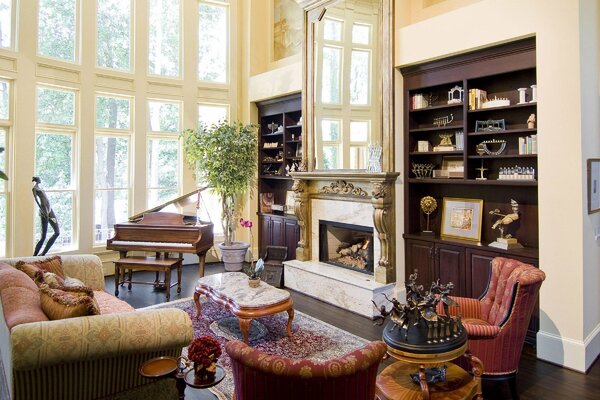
point(147, 264)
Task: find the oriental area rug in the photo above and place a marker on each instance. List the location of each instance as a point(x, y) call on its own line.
point(311, 338)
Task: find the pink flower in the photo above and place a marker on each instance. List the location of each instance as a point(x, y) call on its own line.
point(245, 224)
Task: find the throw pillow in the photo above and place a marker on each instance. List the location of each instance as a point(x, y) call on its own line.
point(72, 282)
point(49, 278)
point(68, 302)
point(52, 264)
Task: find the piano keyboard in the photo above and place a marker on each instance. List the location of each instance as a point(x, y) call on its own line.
point(152, 244)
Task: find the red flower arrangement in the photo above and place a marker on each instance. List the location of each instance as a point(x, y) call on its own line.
point(204, 352)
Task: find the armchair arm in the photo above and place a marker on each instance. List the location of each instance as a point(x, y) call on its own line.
point(41, 344)
point(476, 331)
point(467, 307)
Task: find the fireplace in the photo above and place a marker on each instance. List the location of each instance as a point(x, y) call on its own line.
point(346, 245)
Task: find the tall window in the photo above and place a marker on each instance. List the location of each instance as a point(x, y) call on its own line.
point(54, 158)
point(113, 34)
point(345, 50)
point(164, 160)
point(209, 114)
point(164, 37)
point(4, 129)
point(213, 41)
point(6, 23)
point(58, 29)
point(113, 132)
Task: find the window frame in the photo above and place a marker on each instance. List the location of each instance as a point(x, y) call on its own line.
point(114, 133)
point(72, 131)
point(163, 135)
point(13, 27)
point(6, 125)
point(228, 7)
point(76, 45)
point(180, 71)
point(131, 69)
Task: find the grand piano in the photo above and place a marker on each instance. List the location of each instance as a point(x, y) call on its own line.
point(165, 232)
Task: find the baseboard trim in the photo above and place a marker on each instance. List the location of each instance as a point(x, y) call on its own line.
point(577, 355)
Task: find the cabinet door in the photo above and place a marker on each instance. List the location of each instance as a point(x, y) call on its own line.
point(419, 256)
point(277, 231)
point(451, 267)
point(292, 237)
point(265, 233)
point(479, 268)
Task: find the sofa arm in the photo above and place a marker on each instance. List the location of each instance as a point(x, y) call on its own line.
point(41, 344)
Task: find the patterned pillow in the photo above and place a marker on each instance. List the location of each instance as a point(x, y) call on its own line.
point(68, 302)
point(52, 264)
point(49, 278)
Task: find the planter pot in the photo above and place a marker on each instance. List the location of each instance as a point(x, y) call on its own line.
point(254, 283)
point(234, 255)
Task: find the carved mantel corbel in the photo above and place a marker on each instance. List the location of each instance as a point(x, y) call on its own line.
point(376, 188)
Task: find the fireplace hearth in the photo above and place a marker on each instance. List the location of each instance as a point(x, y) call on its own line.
point(346, 245)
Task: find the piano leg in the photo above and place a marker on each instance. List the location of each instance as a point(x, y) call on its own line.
point(179, 272)
point(168, 283)
point(117, 276)
point(201, 262)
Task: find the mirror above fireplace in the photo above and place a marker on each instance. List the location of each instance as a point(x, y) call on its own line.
point(347, 83)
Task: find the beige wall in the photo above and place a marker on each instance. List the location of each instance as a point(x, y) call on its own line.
point(567, 79)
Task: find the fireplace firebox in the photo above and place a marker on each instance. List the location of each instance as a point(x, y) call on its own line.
point(346, 245)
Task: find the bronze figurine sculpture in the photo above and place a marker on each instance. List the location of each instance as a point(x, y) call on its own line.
point(47, 216)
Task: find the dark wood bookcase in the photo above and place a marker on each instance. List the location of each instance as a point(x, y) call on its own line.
point(499, 71)
point(278, 148)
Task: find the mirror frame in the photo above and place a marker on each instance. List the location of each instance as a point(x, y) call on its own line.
point(313, 10)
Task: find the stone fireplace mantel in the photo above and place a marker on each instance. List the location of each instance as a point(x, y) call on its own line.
point(376, 189)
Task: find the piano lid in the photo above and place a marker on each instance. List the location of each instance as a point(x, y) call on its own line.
point(181, 202)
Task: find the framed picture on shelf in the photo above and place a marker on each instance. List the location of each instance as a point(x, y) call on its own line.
point(299, 150)
point(289, 202)
point(266, 202)
point(593, 185)
point(461, 218)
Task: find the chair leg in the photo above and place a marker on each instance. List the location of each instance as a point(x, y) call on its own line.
point(512, 384)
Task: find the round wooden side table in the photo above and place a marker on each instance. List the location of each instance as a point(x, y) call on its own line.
point(162, 367)
point(395, 382)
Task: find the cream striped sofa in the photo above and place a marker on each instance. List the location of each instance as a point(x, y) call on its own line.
point(86, 357)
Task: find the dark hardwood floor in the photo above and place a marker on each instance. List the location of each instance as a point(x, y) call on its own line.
point(536, 379)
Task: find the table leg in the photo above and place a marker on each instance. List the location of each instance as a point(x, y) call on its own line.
point(197, 301)
point(289, 323)
point(423, 382)
point(245, 327)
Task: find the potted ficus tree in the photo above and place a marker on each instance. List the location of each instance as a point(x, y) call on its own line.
point(224, 157)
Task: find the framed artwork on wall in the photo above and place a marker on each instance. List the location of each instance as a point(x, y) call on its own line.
point(461, 218)
point(593, 185)
point(288, 29)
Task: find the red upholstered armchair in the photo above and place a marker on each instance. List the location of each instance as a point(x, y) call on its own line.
point(261, 376)
point(497, 323)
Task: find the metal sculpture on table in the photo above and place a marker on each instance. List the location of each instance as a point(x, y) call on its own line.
point(416, 330)
point(47, 216)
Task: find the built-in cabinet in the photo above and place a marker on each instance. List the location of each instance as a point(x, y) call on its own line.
point(452, 140)
point(280, 151)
